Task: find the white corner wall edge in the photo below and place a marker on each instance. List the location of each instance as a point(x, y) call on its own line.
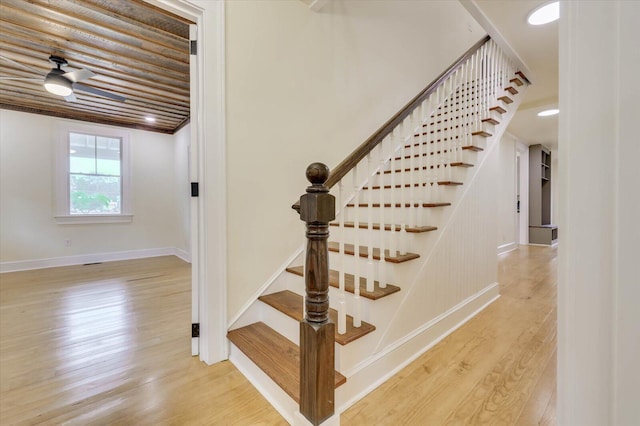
point(474, 10)
point(54, 262)
point(395, 357)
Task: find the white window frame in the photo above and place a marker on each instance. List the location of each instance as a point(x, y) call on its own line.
point(62, 214)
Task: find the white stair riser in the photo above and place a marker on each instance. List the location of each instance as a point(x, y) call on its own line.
point(425, 193)
point(413, 216)
point(366, 237)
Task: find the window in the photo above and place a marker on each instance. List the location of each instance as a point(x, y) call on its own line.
point(92, 175)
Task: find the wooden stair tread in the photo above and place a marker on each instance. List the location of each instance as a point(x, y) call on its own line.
point(521, 75)
point(399, 205)
point(472, 148)
point(449, 183)
point(482, 133)
point(276, 355)
point(427, 143)
point(292, 305)
point(498, 109)
point(415, 169)
point(490, 121)
point(387, 227)
point(507, 100)
point(461, 164)
point(349, 249)
point(516, 81)
point(511, 90)
point(377, 293)
point(409, 185)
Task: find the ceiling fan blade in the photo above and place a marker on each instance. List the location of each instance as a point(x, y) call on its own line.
point(71, 98)
point(93, 90)
point(22, 78)
point(21, 65)
point(79, 75)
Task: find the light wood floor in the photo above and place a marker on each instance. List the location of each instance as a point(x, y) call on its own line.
point(109, 344)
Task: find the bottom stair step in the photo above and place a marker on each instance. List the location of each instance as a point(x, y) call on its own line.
point(277, 356)
point(291, 304)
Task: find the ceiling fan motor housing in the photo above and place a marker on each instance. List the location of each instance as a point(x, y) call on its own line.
point(56, 83)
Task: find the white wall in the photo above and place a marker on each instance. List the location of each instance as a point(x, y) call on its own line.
point(598, 315)
point(506, 194)
point(182, 185)
point(523, 217)
point(28, 231)
point(304, 87)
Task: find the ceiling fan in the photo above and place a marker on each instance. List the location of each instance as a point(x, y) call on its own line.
point(63, 83)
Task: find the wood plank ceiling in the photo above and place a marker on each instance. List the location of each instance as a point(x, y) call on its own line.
point(137, 50)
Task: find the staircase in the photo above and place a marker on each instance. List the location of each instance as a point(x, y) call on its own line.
point(399, 199)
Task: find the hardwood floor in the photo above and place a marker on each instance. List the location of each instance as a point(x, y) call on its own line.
point(110, 344)
point(497, 369)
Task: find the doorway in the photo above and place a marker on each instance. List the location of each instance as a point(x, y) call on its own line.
point(207, 167)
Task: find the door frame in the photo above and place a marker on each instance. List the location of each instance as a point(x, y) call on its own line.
point(208, 143)
point(522, 152)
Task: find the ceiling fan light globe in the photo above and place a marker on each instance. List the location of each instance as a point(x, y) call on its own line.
point(58, 85)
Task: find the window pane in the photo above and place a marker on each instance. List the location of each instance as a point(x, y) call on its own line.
point(94, 194)
point(82, 153)
point(108, 156)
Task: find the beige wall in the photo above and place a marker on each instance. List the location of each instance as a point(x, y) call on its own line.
point(27, 227)
point(305, 86)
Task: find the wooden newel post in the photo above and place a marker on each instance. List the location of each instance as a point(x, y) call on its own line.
point(317, 333)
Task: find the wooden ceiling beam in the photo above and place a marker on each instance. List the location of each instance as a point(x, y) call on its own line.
point(65, 37)
point(93, 119)
point(170, 92)
point(92, 103)
point(137, 50)
point(115, 23)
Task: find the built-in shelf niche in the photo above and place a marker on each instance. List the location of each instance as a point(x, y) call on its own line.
point(541, 230)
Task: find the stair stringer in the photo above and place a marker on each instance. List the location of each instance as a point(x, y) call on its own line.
point(415, 327)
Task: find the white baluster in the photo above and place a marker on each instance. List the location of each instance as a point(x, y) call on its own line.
point(392, 193)
point(357, 321)
point(342, 309)
point(370, 264)
point(382, 265)
point(404, 177)
point(412, 166)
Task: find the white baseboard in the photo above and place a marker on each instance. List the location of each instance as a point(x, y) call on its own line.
point(505, 248)
point(25, 265)
point(182, 254)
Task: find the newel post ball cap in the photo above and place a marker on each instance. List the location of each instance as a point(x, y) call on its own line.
point(317, 173)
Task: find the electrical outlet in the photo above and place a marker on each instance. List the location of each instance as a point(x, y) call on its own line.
point(67, 243)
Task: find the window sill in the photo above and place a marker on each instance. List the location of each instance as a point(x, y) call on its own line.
point(93, 219)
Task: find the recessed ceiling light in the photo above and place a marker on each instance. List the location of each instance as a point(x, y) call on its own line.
point(548, 112)
point(150, 119)
point(544, 14)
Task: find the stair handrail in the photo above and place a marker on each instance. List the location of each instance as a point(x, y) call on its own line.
point(368, 145)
